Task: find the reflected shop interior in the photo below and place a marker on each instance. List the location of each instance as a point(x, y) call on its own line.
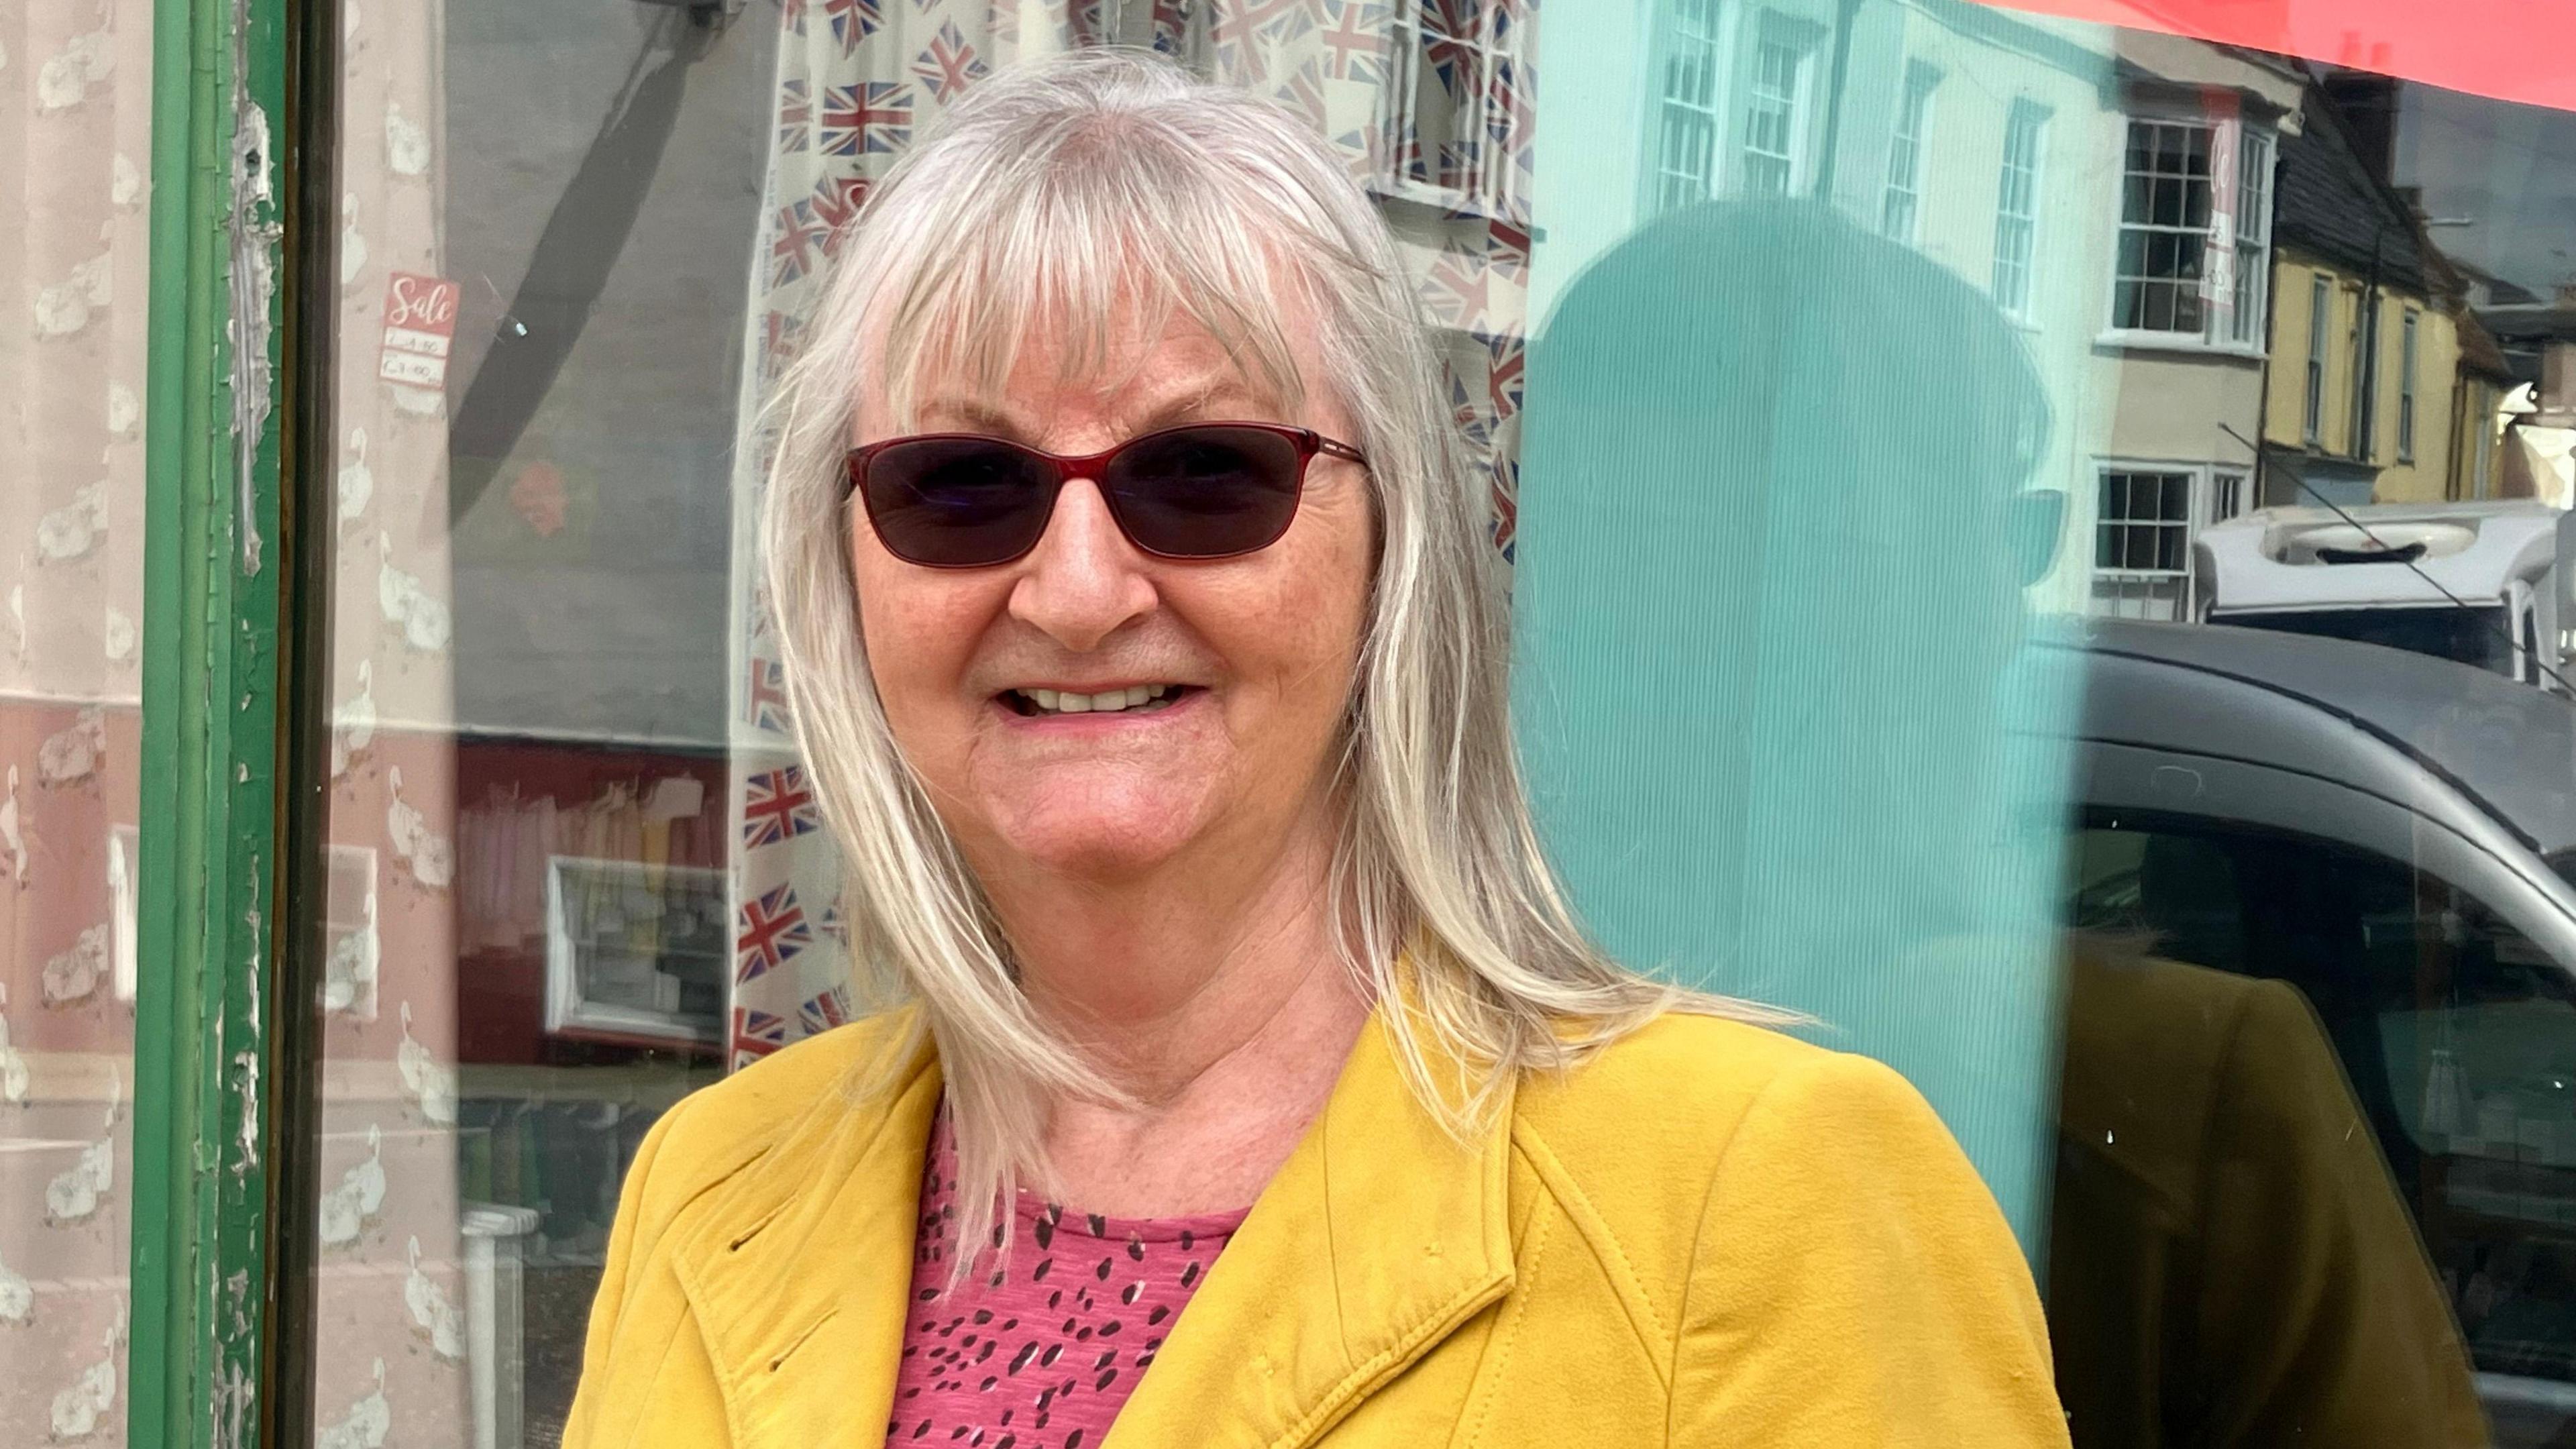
point(2044, 543)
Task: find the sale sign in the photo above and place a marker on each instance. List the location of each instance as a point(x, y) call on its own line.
point(420, 330)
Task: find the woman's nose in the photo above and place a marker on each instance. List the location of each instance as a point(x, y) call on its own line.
point(1084, 579)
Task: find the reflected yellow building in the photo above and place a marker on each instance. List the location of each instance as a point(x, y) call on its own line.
point(2381, 388)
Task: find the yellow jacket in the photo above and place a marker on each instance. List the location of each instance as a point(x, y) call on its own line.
point(1710, 1234)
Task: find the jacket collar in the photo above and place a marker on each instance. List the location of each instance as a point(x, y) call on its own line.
point(1379, 1236)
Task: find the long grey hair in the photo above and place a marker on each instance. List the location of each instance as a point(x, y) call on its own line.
point(1054, 196)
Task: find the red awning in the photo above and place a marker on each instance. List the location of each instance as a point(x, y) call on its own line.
point(2514, 50)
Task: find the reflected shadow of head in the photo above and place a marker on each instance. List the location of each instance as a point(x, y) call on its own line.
point(1773, 508)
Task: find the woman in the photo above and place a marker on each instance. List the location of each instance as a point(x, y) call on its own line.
point(1252, 1083)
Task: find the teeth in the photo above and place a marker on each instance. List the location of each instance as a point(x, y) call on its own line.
point(1054, 701)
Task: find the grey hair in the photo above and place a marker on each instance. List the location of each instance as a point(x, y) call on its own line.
point(1056, 194)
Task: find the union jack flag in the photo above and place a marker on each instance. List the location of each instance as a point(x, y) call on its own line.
point(949, 65)
point(1507, 506)
point(836, 925)
point(1355, 39)
point(1460, 291)
point(773, 931)
point(824, 1012)
point(1449, 40)
point(777, 805)
point(866, 117)
point(1086, 24)
point(1507, 380)
point(1507, 242)
point(1171, 25)
point(836, 201)
point(766, 704)
point(1303, 94)
point(1462, 166)
point(795, 116)
point(1473, 423)
point(1270, 19)
point(853, 20)
point(798, 237)
point(777, 343)
point(755, 1035)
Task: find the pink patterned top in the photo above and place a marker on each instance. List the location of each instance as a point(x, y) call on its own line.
point(1041, 1354)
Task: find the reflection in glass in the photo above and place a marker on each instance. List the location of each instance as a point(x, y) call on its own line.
point(1791, 699)
point(577, 867)
point(75, 156)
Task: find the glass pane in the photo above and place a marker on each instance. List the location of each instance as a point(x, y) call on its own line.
point(75, 162)
point(1780, 478)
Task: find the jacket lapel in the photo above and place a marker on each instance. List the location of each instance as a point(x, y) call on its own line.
point(800, 1267)
point(1378, 1238)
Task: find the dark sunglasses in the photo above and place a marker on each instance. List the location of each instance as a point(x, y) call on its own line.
point(1201, 491)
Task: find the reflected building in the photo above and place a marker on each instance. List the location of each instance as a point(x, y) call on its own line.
point(2384, 387)
point(2109, 191)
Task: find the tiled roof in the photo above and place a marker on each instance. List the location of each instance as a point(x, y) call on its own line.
point(2327, 203)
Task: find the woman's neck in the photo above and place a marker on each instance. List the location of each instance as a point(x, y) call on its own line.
point(1216, 999)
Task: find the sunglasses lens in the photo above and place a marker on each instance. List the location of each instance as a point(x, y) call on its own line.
point(957, 502)
point(1206, 492)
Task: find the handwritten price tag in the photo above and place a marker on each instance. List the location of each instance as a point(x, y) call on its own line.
point(420, 330)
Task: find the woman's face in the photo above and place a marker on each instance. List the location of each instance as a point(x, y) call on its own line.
point(1256, 653)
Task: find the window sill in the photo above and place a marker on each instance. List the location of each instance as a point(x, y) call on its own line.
point(1446, 200)
point(2176, 343)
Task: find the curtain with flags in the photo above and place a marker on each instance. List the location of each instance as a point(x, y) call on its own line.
point(1430, 104)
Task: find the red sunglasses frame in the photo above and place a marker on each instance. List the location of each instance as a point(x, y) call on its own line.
point(1308, 442)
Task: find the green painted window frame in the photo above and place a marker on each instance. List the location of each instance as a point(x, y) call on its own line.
point(232, 630)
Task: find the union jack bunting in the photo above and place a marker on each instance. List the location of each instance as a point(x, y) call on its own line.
point(1473, 422)
point(772, 930)
point(755, 1035)
point(796, 240)
point(949, 65)
point(858, 81)
point(1510, 371)
point(777, 805)
point(795, 117)
point(866, 116)
point(836, 201)
point(1449, 41)
point(1507, 242)
point(1303, 94)
point(766, 704)
point(852, 20)
point(778, 331)
point(1086, 25)
point(1354, 39)
point(1276, 20)
point(1460, 290)
point(824, 1011)
point(1172, 25)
